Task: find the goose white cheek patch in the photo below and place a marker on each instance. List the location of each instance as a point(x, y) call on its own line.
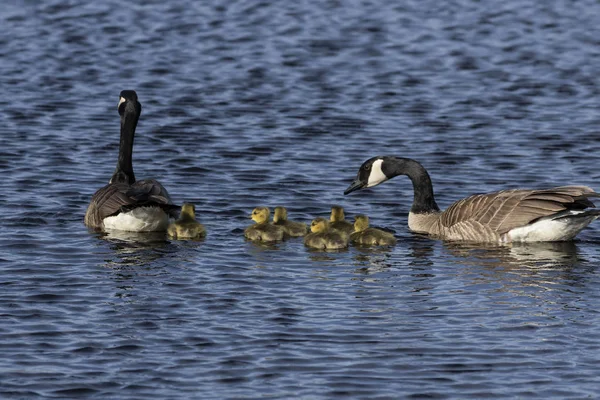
point(376, 176)
point(121, 100)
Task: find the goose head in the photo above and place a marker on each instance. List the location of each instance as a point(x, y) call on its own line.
point(372, 172)
point(260, 215)
point(128, 103)
point(361, 222)
point(319, 225)
point(337, 214)
point(279, 214)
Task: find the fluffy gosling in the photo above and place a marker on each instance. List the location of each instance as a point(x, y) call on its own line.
point(263, 230)
point(323, 237)
point(370, 236)
point(186, 227)
point(338, 221)
point(290, 228)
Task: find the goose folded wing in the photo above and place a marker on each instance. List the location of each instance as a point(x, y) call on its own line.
point(509, 209)
point(107, 201)
point(149, 192)
point(122, 197)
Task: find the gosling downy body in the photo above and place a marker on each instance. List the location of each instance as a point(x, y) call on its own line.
point(323, 237)
point(126, 204)
point(186, 226)
point(263, 230)
point(290, 228)
point(370, 236)
point(515, 215)
point(337, 221)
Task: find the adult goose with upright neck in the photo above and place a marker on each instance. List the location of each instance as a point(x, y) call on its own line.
point(514, 215)
point(126, 204)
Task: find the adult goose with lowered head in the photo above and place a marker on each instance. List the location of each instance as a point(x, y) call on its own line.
point(126, 204)
point(517, 215)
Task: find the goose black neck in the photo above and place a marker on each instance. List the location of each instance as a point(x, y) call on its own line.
point(424, 200)
point(129, 119)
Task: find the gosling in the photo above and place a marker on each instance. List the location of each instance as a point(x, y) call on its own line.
point(290, 228)
point(370, 236)
point(263, 230)
point(186, 227)
point(323, 237)
point(338, 221)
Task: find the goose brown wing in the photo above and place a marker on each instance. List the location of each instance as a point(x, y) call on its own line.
point(120, 197)
point(148, 191)
point(508, 209)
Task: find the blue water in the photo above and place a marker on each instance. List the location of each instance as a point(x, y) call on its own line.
point(250, 103)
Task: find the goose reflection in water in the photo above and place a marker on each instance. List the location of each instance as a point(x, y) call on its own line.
point(524, 255)
point(135, 249)
point(519, 268)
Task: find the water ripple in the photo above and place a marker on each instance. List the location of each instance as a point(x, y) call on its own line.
point(256, 103)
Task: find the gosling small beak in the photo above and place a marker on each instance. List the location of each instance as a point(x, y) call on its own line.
point(356, 185)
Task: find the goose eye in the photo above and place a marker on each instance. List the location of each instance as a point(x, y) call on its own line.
point(367, 167)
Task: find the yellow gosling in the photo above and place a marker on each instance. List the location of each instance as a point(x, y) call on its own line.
point(186, 227)
point(263, 230)
point(370, 236)
point(338, 221)
point(323, 237)
point(290, 228)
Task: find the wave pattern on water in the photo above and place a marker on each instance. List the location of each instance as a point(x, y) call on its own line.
point(256, 103)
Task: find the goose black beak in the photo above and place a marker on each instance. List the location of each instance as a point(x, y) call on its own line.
point(356, 185)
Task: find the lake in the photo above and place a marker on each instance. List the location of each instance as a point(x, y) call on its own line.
point(251, 103)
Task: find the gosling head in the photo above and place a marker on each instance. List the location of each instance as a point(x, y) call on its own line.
point(361, 222)
point(371, 173)
point(319, 225)
point(188, 211)
point(337, 214)
point(279, 214)
point(260, 215)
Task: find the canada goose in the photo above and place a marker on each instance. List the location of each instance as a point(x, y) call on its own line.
point(322, 237)
point(370, 236)
point(338, 221)
point(516, 215)
point(263, 230)
point(186, 227)
point(126, 204)
point(290, 228)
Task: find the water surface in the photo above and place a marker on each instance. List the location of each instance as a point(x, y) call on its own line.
point(254, 103)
